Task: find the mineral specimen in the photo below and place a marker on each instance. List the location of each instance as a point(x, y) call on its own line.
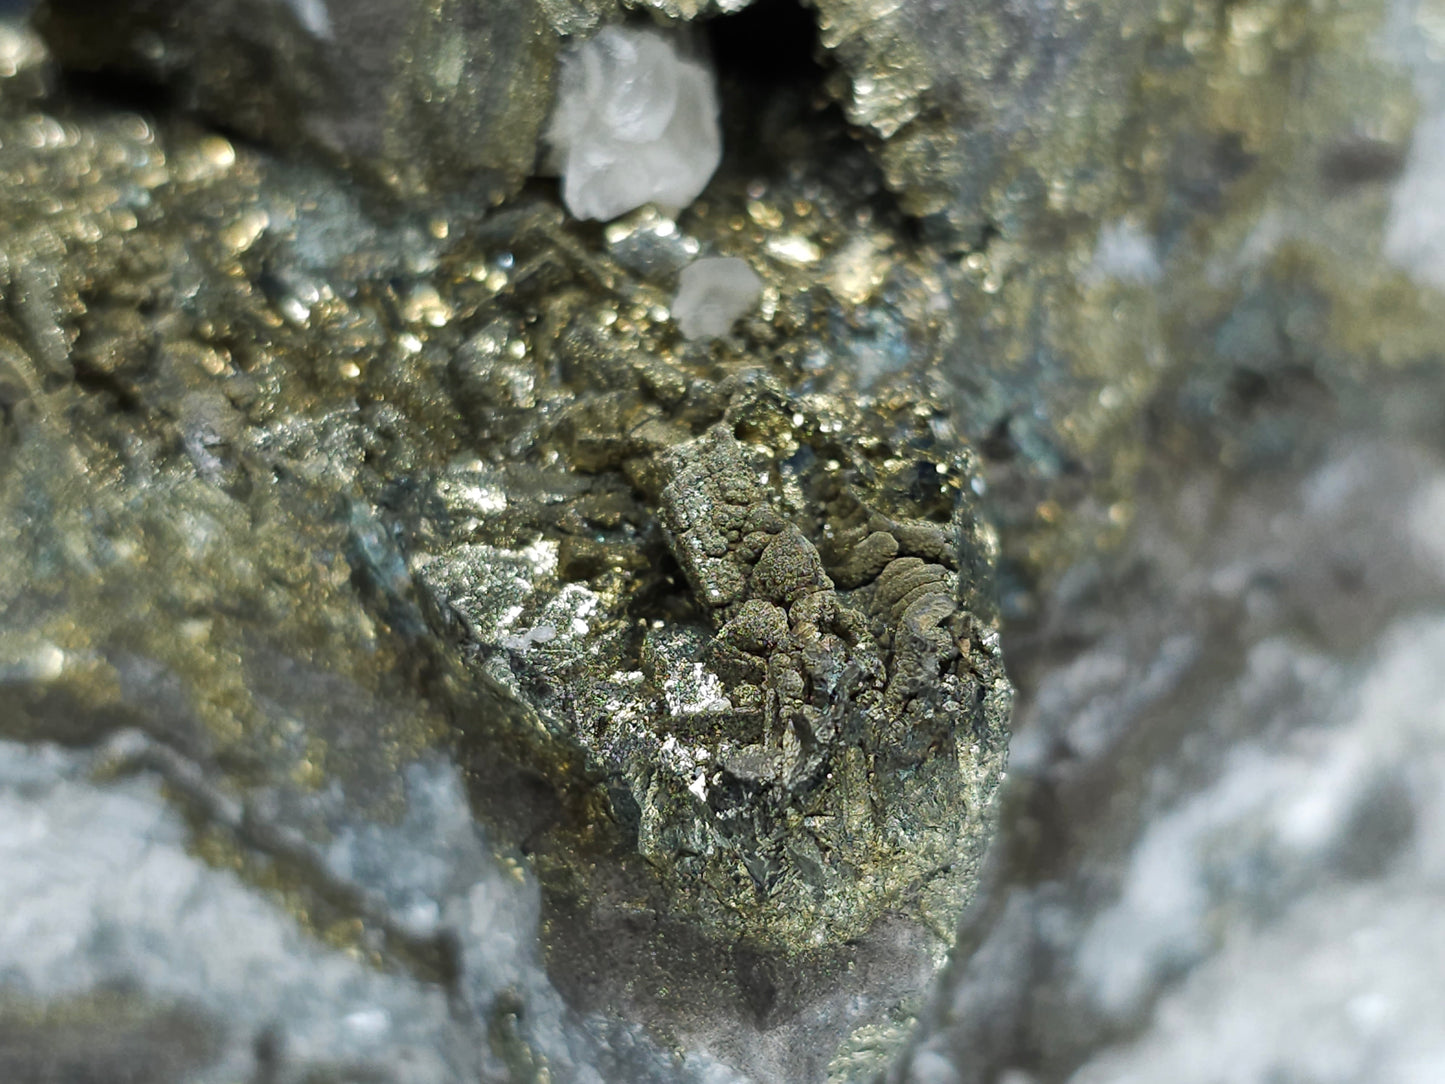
point(751, 601)
point(712, 293)
point(348, 512)
point(800, 721)
point(635, 122)
point(708, 625)
point(434, 102)
point(334, 78)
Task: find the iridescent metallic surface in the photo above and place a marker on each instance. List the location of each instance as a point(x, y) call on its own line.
point(728, 601)
point(606, 703)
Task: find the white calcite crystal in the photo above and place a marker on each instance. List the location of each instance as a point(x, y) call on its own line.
point(712, 293)
point(636, 122)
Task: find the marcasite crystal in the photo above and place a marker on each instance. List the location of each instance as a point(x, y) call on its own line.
point(309, 492)
point(723, 605)
point(801, 721)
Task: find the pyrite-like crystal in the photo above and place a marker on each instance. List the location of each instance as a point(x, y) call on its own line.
point(726, 602)
point(759, 617)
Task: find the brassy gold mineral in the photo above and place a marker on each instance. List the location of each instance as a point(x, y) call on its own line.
point(661, 526)
point(719, 593)
point(342, 449)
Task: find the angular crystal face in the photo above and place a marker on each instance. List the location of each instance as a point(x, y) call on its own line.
point(720, 603)
point(795, 696)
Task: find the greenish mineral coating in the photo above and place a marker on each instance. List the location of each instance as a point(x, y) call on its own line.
point(303, 484)
point(800, 722)
point(731, 603)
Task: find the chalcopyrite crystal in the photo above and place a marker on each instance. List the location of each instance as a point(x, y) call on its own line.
point(635, 123)
point(712, 293)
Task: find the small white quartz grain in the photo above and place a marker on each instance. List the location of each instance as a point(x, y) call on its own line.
point(636, 122)
point(712, 293)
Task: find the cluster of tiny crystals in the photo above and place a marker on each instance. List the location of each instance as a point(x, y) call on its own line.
point(636, 122)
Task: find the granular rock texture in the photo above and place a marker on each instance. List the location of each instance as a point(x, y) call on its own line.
point(510, 684)
point(335, 78)
point(304, 493)
point(794, 755)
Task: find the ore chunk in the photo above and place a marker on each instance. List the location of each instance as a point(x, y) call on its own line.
point(973, 103)
point(104, 1036)
point(300, 493)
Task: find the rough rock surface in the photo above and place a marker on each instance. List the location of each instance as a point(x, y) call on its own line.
point(393, 585)
point(335, 77)
point(1221, 841)
point(304, 495)
point(1223, 830)
point(441, 101)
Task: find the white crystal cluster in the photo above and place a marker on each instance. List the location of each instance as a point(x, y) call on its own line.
point(314, 17)
point(636, 122)
point(712, 293)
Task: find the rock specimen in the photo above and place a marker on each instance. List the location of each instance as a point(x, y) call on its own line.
point(437, 102)
point(303, 488)
point(747, 599)
point(337, 78)
point(712, 293)
point(316, 491)
point(797, 705)
point(635, 122)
